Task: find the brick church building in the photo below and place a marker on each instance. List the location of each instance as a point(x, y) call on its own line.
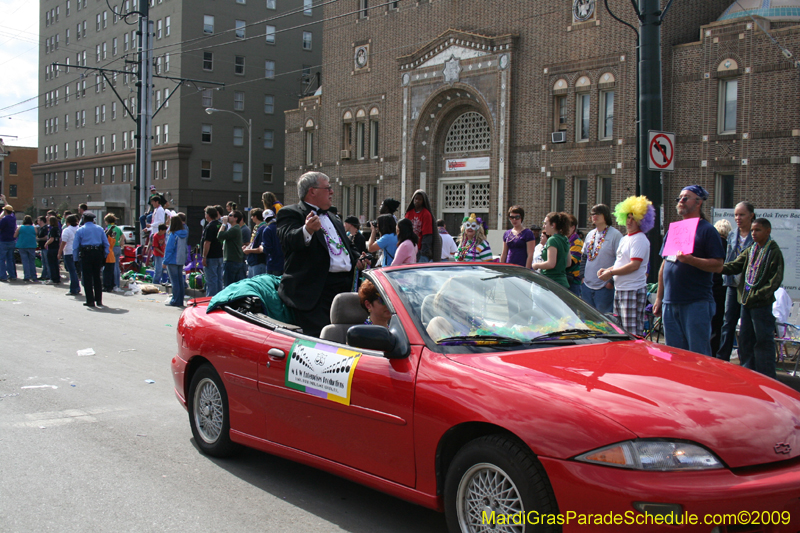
point(486, 104)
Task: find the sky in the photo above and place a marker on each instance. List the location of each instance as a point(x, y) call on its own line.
point(19, 59)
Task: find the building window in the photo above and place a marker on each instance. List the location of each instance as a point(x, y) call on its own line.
point(269, 104)
point(207, 98)
point(360, 139)
point(113, 174)
point(270, 34)
point(267, 177)
point(604, 190)
point(238, 172)
point(307, 7)
point(167, 26)
point(347, 138)
point(164, 174)
point(114, 46)
point(206, 133)
point(12, 191)
point(156, 170)
point(724, 193)
point(469, 133)
point(113, 111)
point(560, 113)
point(125, 173)
point(606, 115)
point(208, 23)
point(728, 96)
point(12, 168)
point(159, 29)
point(238, 65)
point(166, 133)
point(363, 9)
point(581, 208)
point(205, 170)
point(373, 139)
point(269, 69)
point(124, 42)
point(309, 147)
point(157, 136)
point(113, 142)
point(269, 139)
point(240, 29)
point(166, 63)
point(208, 60)
point(271, 4)
point(238, 136)
point(238, 100)
point(583, 114)
point(307, 40)
point(103, 113)
point(558, 194)
point(124, 142)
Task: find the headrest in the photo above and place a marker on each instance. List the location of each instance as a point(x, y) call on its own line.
point(346, 309)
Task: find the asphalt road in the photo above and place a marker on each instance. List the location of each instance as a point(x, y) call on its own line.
point(87, 444)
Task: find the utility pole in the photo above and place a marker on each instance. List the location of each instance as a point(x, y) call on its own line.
point(650, 116)
point(143, 74)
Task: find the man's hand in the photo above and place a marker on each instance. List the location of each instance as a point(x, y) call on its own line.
point(657, 307)
point(684, 258)
point(204, 263)
point(604, 274)
point(313, 223)
point(59, 256)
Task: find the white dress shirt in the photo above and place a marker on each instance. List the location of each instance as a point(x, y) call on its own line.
point(339, 263)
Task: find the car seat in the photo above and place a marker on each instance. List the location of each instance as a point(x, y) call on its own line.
point(346, 311)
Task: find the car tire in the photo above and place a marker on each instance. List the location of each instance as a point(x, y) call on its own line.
point(208, 413)
point(493, 466)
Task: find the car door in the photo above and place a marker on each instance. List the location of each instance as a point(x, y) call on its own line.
point(372, 431)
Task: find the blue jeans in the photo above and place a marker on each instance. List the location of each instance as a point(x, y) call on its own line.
point(117, 251)
point(28, 256)
point(757, 340)
point(232, 271)
point(178, 284)
point(600, 299)
point(728, 334)
point(74, 282)
point(256, 270)
point(45, 265)
point(213, 272)
point(8, 270)
point(158, 269)
point(688, 326)
point(575, 287)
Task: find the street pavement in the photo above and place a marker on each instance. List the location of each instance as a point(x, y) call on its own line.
point(88, 444)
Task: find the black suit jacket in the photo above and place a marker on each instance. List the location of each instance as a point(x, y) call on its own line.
point(306, 267)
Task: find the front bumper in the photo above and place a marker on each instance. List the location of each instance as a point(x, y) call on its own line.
point(766, 499)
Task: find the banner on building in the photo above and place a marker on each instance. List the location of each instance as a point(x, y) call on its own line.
point(469, 163)
point(786, 232)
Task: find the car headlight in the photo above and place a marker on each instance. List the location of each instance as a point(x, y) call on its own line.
point(653, 455)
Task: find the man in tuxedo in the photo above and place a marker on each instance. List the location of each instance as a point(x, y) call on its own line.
point(319, 260)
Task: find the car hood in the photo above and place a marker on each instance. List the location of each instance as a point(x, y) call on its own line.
point(660, 392)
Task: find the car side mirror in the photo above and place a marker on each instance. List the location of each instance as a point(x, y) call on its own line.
point(392, 341)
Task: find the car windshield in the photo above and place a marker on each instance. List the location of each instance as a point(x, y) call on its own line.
point(499, 305)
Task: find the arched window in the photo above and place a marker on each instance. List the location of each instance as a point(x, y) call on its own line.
point(469, 133)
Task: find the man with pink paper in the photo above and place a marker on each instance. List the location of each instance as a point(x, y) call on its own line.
point(692, 250)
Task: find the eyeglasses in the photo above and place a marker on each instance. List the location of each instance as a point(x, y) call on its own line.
point(328, 188)
point(513, 217)
point(682, 199)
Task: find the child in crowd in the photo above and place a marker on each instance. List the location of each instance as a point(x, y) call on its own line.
point(159, 246)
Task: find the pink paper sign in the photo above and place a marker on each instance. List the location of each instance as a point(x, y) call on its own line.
point(681, 237)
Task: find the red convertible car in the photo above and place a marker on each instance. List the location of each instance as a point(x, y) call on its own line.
point(501, 399)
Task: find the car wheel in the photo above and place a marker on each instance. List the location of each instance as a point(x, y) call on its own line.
point(208, 413)
point(496, 474)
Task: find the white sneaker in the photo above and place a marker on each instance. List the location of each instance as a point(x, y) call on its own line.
point(117, 289)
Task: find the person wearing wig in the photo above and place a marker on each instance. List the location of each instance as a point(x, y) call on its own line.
point(473, 245)
point(630, 269)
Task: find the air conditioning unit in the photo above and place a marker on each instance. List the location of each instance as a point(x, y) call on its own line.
point(558, 137)
point(344, 154)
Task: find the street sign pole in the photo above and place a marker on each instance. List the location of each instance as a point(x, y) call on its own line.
point(650, 113)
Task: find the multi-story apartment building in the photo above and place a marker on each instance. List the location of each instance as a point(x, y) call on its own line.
point(265, 53)
point(494, 103)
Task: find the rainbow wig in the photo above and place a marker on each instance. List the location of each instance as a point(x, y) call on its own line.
point(642, 209)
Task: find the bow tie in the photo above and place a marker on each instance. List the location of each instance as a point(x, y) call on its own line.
point(318, 210)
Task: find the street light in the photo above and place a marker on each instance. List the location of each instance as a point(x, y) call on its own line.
point(249, 124)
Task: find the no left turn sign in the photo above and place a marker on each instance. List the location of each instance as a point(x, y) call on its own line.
point(661, 151)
